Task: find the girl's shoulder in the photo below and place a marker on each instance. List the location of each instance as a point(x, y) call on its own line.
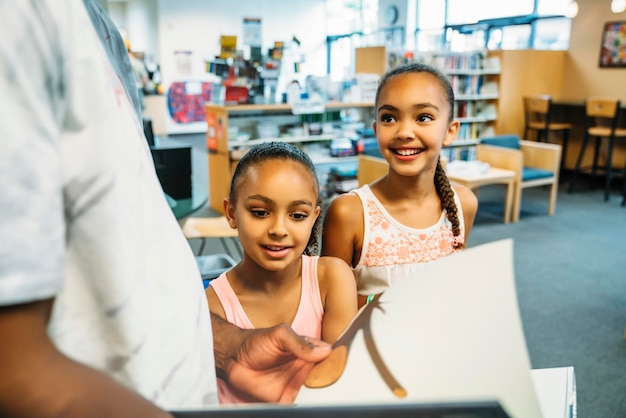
point(467, 198)
point(344, 203)
point(344, 209)
point(330, 264)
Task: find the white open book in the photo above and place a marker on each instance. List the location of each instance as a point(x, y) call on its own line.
point(453, 334)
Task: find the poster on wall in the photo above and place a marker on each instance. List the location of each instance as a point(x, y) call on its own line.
point(613, 48)
point(187, 93)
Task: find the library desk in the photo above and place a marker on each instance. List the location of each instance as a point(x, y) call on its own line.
point(494, 175)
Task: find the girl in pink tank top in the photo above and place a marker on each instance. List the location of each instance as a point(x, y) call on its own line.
point(412, 214)
point(274, 205)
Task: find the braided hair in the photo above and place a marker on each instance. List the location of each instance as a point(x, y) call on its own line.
point(442, 183)
point(282, 151)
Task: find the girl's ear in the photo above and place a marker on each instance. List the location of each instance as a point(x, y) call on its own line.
point(374, 127)
point(318, 210)
point(453, 130)
point(229, 212)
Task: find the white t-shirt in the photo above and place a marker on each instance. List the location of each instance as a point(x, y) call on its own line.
point(83, 217)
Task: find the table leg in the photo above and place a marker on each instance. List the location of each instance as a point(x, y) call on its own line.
point(508, 203)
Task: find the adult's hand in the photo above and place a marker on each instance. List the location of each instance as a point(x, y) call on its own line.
point(269, 365)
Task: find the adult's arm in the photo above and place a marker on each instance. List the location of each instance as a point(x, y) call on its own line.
point(269, 364)
point(39, 381)
point(36, 380)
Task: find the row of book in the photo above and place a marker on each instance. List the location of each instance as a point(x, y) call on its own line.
point(466, 84)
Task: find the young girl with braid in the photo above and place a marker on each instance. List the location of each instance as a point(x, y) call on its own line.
point(386, 230)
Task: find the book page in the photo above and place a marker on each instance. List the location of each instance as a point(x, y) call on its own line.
point(453, 334)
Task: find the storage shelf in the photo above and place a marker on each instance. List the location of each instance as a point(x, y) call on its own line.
point(285, 108)
point(291, 139)
point(476, 119)
point(224, 152)
point(468, 97)
point(474, 77)
point(485, 71)
point(329, 159)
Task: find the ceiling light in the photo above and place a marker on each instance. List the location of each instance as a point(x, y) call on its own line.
point(572, 9)
point(618, 6)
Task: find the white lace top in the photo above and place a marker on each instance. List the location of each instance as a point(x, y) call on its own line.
point(392, 251)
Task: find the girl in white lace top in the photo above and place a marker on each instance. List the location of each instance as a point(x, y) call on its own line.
point(412, 215)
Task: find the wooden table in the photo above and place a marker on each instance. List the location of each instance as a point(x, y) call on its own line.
point(492, 176)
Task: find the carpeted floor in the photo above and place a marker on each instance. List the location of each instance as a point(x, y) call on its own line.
point(570, 272)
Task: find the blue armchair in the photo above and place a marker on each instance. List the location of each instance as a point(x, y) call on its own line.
point(535, 164)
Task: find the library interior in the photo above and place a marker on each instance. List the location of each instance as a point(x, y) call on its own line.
point(529, 319)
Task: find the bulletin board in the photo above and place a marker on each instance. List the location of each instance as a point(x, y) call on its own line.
point(613, 48)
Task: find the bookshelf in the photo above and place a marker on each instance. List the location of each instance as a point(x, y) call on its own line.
point(475, 79)
point(224, 150)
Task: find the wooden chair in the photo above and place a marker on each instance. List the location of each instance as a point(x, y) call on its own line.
point(212, 227)
point(534, 163)
point(539, 119)
point(370, 168)
point(601, 115)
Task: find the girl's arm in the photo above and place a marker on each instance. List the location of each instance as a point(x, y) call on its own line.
point(469, 205)
point(338, 292)
point(343, 229)
point(215, 306)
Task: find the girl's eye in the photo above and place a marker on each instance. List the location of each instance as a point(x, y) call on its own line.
point(424, 118)
point(259, 213)
point(299, 216)
point(387, 118)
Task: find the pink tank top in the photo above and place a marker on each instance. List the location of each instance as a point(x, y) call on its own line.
point(308, 319)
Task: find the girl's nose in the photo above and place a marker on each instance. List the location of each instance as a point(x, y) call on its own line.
point(405, 130)
point(278, 227)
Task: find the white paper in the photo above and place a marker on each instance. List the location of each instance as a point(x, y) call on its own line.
point(453, 334)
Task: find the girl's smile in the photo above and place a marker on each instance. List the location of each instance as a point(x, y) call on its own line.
point(407, 154)
point(275, 251)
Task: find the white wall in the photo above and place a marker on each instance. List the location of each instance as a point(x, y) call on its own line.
point(142, 27)
point(197, 25)
point(583, 76)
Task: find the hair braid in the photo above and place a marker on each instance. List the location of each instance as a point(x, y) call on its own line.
point(446, 194)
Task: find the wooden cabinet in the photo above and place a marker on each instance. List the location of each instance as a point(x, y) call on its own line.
point(231, 130)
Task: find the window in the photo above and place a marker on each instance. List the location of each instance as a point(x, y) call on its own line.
point(462, 12)
point(462, 25)
point(552, 33)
